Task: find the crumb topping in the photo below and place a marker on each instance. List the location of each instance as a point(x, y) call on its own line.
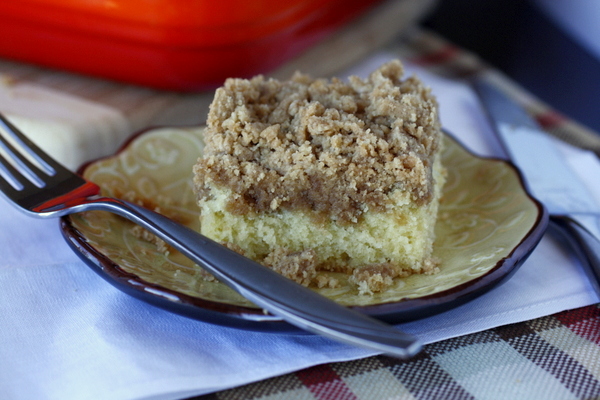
point(375, 278)
point(297, 266)
point(327, 146)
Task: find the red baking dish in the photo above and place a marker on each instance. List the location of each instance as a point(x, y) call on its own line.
point(183, 45)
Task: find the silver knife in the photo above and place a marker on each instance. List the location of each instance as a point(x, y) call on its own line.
point(573, 211)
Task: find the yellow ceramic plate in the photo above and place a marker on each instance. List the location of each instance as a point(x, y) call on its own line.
point(488, 224)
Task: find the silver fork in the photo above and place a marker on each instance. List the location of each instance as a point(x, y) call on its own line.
point(41, 187)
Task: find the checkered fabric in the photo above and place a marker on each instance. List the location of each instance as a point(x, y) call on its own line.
point(555, 357)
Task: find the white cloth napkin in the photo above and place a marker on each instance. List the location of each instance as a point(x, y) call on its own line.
point(69, 128)
point(67, 334)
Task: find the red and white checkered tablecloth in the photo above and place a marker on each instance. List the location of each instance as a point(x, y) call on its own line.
point(555, 357)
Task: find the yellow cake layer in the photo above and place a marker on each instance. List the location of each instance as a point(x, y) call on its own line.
point(401, 237)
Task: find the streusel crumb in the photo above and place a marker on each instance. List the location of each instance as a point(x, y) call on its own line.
point(328, 146)
point(297, 266)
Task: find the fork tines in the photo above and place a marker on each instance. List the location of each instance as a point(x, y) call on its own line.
point(22, 163)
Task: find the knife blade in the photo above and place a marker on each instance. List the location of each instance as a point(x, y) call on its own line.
point(574, 213)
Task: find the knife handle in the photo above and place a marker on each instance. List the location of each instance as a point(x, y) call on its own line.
point(585, 244)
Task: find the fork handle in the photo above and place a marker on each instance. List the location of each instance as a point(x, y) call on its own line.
point(292, 302)
point(583, 241)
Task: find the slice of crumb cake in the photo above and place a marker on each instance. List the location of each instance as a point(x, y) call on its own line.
point(312, 175)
